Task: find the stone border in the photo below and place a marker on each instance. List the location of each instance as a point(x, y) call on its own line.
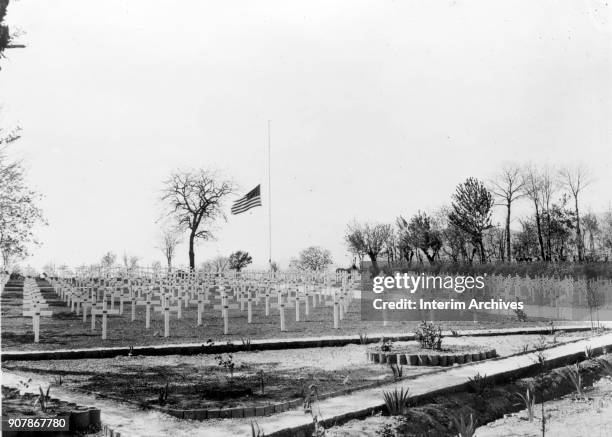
point(80, 419)
point(425, 359)
point(256, 345)
point(233, 413)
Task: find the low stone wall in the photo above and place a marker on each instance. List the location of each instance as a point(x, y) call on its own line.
point(425, 359)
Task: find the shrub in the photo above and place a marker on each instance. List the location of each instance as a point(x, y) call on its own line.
point(397, 370)
point(479, 384)
point(163, 393)
point(429, 335)
point(463, 427)
point(529, 402)
point(573, 374)
point(386, 345)
point(396, 401)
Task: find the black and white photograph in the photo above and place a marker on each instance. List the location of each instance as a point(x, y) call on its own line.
point(271, 218)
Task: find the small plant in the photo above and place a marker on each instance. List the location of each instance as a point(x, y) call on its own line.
point(256, 431)
point(319, 430)
point(479, 384)
point(261, 376)
point(227, 362)
point(429, 335)
point(396, 401)
point(520, 315)
point(465, 428)
point(24, 385)
point(246, 343)
point(606, 367)
point(529, 402)
point(386, 344)
point(363, 338)
point(397, 370)
point(311, 397)
point(573, 374)
point(42, 399)
point(588, 353)
point(163, 393)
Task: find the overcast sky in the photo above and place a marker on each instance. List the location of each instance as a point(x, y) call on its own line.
point(378, 108)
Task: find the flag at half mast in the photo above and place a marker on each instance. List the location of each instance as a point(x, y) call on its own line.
point(250, 200)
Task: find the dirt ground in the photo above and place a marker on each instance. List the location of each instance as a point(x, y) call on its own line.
point(199, 381)
point(564, 417)
point(66, 330)
point(499, 407)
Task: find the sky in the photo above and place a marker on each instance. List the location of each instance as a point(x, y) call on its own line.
point(377, 108)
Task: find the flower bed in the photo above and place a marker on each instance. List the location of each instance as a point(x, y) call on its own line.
point(413, 355)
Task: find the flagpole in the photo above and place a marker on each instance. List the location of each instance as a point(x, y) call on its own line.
point(269, 203)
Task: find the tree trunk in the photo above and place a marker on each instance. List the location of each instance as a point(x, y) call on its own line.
point(508, 248)
point(191, 252)
point(430, 258)
point(540, 240)
point(375, 269)
point(483, 257)
point(578, 232)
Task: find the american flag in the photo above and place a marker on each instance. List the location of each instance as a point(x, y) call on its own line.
point(250, 200)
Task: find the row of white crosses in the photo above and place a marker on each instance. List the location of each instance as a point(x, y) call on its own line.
point(172, 293)
point(34, 305)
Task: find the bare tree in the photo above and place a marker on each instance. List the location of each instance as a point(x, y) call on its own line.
point(575, 180)
point(195, 199)
point(532, 187)
point(369, 239)
point(508, 187)
point(220, 264)
point(169, 239)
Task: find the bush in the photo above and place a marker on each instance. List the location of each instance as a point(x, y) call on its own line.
point(429, 336)
point(396, 401)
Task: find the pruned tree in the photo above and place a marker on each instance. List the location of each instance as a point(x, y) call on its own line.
point(508, 187)
point(315, 258)
point(420, 234)
point(471, 211)
point(195, 199)
point(369, 239)
point(592, 230)
point(575, 180)
point(169, 240)
point(239, 260)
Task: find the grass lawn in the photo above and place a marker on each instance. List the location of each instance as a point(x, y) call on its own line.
point(66, 330)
